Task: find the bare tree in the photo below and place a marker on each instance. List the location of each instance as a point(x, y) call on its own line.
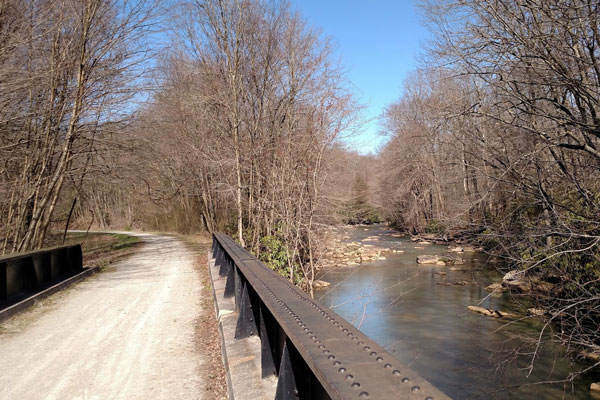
point(68, 67)
point(510, 129)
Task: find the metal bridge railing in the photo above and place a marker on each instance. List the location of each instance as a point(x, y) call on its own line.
point(29, 272)
point(315, 353)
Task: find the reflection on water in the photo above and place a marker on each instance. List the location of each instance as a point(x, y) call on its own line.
point(400, 305)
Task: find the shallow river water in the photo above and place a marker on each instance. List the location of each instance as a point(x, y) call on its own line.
point(426, 325)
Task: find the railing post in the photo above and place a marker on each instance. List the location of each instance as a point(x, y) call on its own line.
point(267, 361)
point(286, 384)
point(229, 284)
point(223, 263)
point(237, 288)
point(246, 323)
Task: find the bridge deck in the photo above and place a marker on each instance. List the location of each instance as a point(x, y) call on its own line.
point(127, 333)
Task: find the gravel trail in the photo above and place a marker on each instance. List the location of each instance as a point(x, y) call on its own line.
point(126, 333)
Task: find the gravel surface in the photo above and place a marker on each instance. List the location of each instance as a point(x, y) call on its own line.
point(127, 333)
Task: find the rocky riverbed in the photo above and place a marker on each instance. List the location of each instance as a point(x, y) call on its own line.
point(439, 317)
point(341, 251)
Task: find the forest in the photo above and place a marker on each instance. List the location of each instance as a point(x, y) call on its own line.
point(232, 115)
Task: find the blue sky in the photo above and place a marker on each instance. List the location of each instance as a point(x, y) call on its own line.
point(379, 42)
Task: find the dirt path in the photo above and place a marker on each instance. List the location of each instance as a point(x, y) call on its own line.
point(128, 333)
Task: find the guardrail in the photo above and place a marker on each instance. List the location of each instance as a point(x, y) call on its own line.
point(27, 273)
point(315, 352)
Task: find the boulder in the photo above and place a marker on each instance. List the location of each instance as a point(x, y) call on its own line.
point(515, 281)
point(320, 284)
point(492, 313)
point(536, 312)
point(591, 356)
point(456, 249)
point(519, 286)
point(544, 287)
point(428, 259)
point(461, 283)
point(455, 260)
point(484, 311)
point(494, 287)
point(595, 387)
point(439, 260)
point(512, 275)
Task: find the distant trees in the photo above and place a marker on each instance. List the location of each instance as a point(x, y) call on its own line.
point(358, 210)
point(499, 135)
point(66, 69)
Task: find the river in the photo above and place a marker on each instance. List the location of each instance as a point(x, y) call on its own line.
point(425, 324)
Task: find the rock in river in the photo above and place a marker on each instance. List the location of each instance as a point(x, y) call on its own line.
point(536, 312)
point(320, 284)
point(491, 313)
point(515, 280)
point(439, 260)
point(428, 259)
point(494, 287)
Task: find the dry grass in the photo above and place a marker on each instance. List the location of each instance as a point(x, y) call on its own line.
point(208, 340)
point(99, 249)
